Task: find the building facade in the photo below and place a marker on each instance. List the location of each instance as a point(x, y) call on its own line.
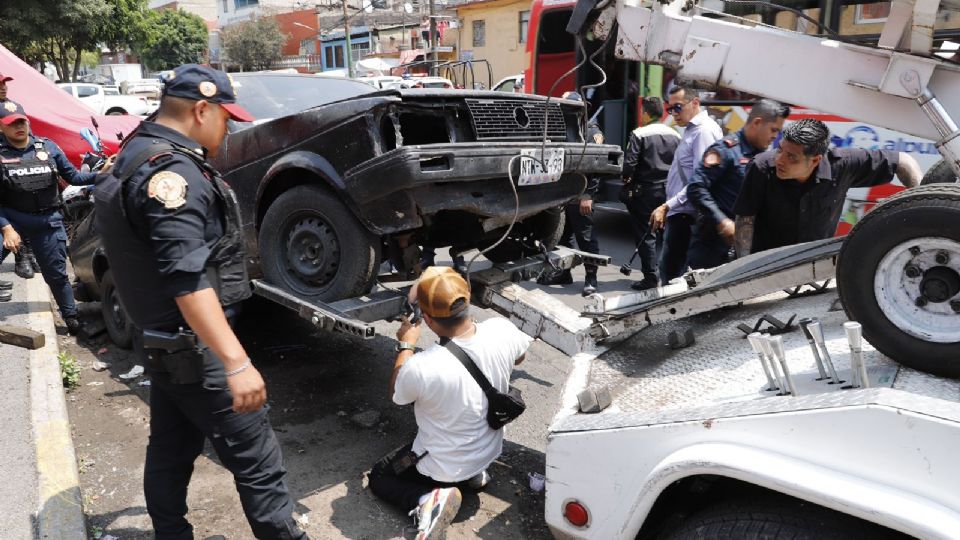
point(495, 31)
point(206, 9)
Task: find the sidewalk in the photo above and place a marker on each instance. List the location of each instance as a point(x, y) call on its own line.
point(40, 491)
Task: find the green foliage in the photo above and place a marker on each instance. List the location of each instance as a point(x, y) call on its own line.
point(253, 45)
point(69, 370)
point(172, 38)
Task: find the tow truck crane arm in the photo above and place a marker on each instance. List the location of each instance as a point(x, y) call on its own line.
point(913, 92)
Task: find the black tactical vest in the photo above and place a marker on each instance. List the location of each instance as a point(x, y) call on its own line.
point(226, 265)
point(30, 184)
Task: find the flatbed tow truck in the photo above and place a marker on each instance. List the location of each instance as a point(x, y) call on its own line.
point(844, 426)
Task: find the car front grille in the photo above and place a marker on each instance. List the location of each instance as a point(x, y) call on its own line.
point(515, 120)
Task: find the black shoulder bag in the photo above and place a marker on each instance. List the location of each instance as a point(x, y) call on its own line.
point(503, 408)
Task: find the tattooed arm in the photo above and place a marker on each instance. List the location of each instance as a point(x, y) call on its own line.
point(744, 235)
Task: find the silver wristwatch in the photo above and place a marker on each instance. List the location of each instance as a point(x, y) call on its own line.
point(404, 346)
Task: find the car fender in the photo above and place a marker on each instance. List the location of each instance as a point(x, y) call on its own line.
point(831, 488)
point(310, 162)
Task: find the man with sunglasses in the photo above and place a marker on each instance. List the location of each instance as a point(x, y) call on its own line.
point(796, 193)
point(677, 216)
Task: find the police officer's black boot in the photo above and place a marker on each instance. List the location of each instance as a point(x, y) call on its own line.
point(562, 278)
point(589, 283)
point(73, 325)
point(649, 281)
point(22, 266)
point(5, 294)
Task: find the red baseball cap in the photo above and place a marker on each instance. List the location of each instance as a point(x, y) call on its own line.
point(10, 112)
point(5, 78)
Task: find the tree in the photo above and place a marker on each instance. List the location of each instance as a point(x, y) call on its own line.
point(127, 26)
point(172, 38)
point(254, 44)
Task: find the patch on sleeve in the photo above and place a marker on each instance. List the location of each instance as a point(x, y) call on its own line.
point(711, 158)
point(168, 188)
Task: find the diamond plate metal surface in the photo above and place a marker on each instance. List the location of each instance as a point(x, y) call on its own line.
point(720, 374)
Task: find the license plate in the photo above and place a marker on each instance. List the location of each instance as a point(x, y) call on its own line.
point(532, 173)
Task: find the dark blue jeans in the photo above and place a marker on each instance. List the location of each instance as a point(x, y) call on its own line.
point(677, 233)
point(707, 248)
point(48, 239)
point(181, 417)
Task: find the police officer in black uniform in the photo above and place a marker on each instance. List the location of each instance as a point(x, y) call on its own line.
point(30, 202)
point(25, 263)
point(171, 229)
point(579, 220)
point(716, 182)
point(795, 193)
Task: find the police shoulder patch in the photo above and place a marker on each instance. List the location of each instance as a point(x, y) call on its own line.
point(711, 158)
point(168, 188)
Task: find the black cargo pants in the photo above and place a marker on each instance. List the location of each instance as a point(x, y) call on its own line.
point(181, 417)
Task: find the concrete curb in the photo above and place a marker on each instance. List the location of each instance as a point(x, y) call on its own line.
point(60, 508)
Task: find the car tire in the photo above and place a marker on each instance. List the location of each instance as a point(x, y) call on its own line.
point(940, 173)
point(774, 517)
point(116, 112)
point(544, 228)
point(898, 274)
point(313, 246)
point(119, 326)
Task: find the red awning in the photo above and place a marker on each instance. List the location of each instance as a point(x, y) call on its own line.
point(55, 114)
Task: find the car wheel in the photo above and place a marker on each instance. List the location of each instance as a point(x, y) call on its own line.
point(312, 245)
point(899, 276)
point(544, 229)
point(119, 326)
point(116, 112)
point(940, 173)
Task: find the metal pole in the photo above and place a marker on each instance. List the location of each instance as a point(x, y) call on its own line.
point(433, 39)
point(346, 35)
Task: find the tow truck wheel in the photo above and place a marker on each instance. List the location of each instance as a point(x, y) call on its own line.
point(774, 517)
point(940, 173)
point(311, 245)
point(899, 276)
point(115, 318)
point(545, 228)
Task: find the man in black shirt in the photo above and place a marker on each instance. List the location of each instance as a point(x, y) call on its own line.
point(645, 167)
point(796, 193)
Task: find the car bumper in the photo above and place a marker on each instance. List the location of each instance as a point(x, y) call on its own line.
point(394, 191)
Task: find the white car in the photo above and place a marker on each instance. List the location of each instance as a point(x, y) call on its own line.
point(423, 82)
point(97, 98)
point(381, 82)
point(513, 83)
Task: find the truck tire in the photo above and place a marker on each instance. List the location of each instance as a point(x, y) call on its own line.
point(940, 173)
point(313, 246)
point(119, 326)
point(775, 518)
point(898, 274)
point(545, 228)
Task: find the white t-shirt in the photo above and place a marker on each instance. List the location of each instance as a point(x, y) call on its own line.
point(449, 405)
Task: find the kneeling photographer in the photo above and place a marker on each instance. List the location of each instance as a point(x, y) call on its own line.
point(459, 433)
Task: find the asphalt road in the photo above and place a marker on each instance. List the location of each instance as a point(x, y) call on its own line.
point(333, 416)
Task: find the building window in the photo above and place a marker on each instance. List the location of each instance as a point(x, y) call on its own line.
point(338, 56)
point(871, 13)
point(238, 4)
point(359, 50)
point(333, 56)
point(307, 46)
point(524, 25)
point(479, 31)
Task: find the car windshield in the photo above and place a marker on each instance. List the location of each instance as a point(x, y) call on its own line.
point(268, 96)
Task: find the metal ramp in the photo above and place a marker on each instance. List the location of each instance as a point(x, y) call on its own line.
point(603, 319)
point(355, 316)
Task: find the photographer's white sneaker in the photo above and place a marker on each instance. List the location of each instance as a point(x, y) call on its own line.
point(436, 513)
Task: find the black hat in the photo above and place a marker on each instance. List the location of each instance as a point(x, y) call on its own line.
point(10, 112)
point(196, 82)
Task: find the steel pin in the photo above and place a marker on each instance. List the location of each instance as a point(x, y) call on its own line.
point(858, 369)
point(754, 340)
point(813, 347)
point(816, 332)
point(776, 343)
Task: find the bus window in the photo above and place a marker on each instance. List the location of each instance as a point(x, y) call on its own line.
point(554, 52)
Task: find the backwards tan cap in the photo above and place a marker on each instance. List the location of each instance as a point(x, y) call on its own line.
point(439, 289)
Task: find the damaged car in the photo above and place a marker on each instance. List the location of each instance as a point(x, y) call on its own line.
point(335, 177)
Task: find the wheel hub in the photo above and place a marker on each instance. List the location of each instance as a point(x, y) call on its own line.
point(916, 286)
point(939, 284)
point(313, 252)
